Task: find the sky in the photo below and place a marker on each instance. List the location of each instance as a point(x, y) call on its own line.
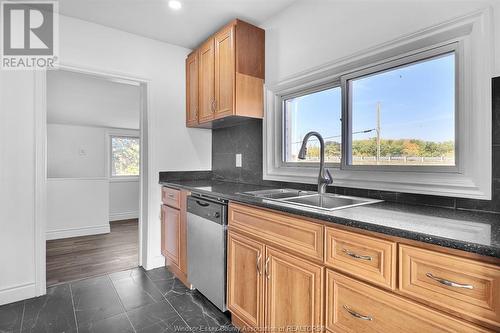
point(417, 102)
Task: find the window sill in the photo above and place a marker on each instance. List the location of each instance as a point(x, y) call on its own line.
point(452, 185)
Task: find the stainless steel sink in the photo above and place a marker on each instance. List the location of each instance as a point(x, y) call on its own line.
point(281, 193)
point(329, 201)
point(311, 199)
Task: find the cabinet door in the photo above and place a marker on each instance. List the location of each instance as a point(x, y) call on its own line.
point(171, 233)
point(192, 89)
point(206, 82)
point(294, 293)
point(224, 72)
point(245, 292)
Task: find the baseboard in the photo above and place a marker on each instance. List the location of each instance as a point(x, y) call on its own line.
point(17, 293)
point(76, 232)
point(123, 216)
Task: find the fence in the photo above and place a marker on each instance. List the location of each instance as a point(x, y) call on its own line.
point(391, 160)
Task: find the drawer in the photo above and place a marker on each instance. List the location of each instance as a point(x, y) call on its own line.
point(171, 197)
point(356, 307)
point(367, 258)
point(297, 235)
point(453, 284)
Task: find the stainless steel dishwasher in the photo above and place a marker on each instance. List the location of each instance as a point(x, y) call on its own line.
point(206, 247)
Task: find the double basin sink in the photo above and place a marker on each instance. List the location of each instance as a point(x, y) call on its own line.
point(328, 201)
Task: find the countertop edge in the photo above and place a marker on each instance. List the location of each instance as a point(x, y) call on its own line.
point(480, 249)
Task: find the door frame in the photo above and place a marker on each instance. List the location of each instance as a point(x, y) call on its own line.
point(40, 144)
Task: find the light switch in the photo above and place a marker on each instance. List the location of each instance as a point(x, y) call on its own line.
point(238, 160)
point(82, 152)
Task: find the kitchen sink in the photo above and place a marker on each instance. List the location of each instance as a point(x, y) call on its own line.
point(311, 199)
point(330, 201)
point(281, 193)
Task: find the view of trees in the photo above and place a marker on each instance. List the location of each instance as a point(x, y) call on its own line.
point(388, 147)
point(125, 156)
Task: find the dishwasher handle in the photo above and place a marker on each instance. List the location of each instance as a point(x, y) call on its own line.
point(210, 210)
point(202, 204)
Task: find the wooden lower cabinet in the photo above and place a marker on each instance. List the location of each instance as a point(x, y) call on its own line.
point(171, 219)
point(245, 296)
point(174, 231)
point(460, 286)
point(356, 307)
point(271, 290)
point(352, 287)
point(294, 293)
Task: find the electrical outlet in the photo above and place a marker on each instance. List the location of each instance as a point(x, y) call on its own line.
point(238, 160)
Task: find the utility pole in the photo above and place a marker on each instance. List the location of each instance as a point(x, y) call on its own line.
point(378, 132)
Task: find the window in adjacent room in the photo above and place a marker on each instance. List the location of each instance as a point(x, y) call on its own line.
point(125, 156)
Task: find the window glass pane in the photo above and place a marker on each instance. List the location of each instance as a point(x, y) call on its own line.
point(124, 156)
point(405, 115)
point(319, 111)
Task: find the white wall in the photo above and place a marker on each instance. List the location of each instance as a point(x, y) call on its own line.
point(77, 207)
point(76, 154)
point(82, 99)
point(17, 190)
point(76, 151)
point(312, 33)
point(123, 199)
point(171, 145)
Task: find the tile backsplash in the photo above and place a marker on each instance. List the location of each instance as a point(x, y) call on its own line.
point(246, 139)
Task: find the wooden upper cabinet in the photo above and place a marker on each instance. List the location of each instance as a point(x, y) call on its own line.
point(192, 90)
point(224, 72)
point(230, 76)
point(206, 81)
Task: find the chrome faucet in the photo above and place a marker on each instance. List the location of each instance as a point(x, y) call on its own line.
point(324, 177)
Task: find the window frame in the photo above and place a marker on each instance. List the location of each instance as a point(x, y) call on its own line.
point(407, 60)
point(300, 93)
point(474, 177)
point(121, 134)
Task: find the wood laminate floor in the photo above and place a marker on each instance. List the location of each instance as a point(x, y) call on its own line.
point(76, 258)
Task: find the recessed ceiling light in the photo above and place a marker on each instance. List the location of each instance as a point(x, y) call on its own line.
point(175, 5)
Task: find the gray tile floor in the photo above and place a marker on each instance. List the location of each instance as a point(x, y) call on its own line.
point(130, 301)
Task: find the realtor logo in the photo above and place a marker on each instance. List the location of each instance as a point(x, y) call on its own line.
point(29, 34)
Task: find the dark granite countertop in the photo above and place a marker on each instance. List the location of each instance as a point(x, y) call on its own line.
point(463, 230)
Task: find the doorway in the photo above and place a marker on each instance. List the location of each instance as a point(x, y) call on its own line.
point(95, 173)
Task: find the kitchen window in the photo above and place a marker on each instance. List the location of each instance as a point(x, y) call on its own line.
point(402, 114)
point(314, 111)
point(125, 156)
point(398, 115)
point(412, 115)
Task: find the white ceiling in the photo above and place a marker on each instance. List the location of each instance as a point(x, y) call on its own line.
point(187, 27)
point(81, 99)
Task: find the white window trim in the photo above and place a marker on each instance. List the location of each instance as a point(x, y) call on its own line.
point(119, 133)
point(473, 35)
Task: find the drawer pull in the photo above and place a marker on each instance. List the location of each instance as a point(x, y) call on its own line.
point(356, 256)
point(171, 196)
point(357, 315)
point(448, 282)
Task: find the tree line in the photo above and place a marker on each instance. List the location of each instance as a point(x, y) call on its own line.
point(389, 147)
